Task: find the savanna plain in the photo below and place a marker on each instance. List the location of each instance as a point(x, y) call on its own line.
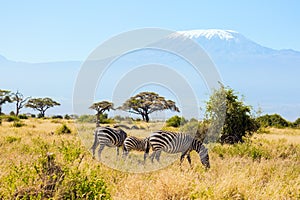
point(50, 159)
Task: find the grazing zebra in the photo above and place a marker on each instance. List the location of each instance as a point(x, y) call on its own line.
point(175, 143)
point(106, 136)
point(134, 143)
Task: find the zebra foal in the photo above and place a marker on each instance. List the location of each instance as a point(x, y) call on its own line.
point(171, 142)
point(134, 143)
point(106, 136)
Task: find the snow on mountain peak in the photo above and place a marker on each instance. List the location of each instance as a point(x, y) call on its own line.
point(209, 34)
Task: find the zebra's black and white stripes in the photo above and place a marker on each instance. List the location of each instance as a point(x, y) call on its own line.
point(134, 143)
point(106, 136)
point(175, 143)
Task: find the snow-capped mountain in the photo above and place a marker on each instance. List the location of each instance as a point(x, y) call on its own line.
point(267, 77)
point(226, 42)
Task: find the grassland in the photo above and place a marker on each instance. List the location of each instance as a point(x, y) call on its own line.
point(37, 162)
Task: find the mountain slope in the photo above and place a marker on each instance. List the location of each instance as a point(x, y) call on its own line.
point(267, 77)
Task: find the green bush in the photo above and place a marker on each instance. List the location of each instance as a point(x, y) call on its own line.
point(92, 119)
point(297, 123)
point(67, 117)
point(176, 121)
point(63, 129)
point(18, 124)
point(197, 129)
point(23, 116)
point(47, 179)
point(57, 117)
point(274, 120)
point(10, 118)
point(87, 119)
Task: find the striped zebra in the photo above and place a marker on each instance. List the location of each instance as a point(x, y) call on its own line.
point(175, 143)
point(134, 143)
point(106, 136)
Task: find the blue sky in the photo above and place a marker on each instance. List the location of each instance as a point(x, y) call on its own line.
point(42, 31)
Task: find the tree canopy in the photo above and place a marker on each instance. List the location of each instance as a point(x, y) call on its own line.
point(230, 118)
point(41, 104)
point(146, 103)
point(100, 108)
point(5, 96)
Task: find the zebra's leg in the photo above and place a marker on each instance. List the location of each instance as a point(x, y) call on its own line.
point(93, 148)
point(118, 152)
point(146, 153)
point(125, 152)
point(100, 150)
point(188, 157)
point(182, 157)
point(183, 154)
point(157, 155)
point(152, 156)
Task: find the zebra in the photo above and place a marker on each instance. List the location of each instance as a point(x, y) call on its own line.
point(106, 136)
point(171, 142)
point(134, 143)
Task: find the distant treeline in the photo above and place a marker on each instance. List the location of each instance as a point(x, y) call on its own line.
point(275, 120)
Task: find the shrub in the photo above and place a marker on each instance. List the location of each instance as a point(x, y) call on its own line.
point(176, 121)
point(10, 118)
point(229, 117)
point(274, 120)
point(67, 117)
point(47, 179)
point(18, 124)
point(57, 117)
point(197, 129)
point(87, 119)
point(23, 116)
point(92, 119)
point(297, 123)
point(64, 129)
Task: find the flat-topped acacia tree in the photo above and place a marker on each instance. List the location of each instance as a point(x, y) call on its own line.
point(41, 104)
point(100, 108)
point(146, 103)
point(20, 101)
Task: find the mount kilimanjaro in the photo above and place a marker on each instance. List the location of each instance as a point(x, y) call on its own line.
point(267, 77)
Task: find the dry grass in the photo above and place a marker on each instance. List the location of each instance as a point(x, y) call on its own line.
point(233, 175)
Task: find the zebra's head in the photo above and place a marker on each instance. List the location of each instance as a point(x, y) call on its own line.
point(204, 157)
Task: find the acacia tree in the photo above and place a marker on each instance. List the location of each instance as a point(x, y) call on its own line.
point(230, 119)
point(4, 97)
point(100, 108)
point(20, 101)
point(146, 103)
point(41, 104)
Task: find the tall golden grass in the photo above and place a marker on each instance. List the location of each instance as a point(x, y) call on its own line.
point(266, 167)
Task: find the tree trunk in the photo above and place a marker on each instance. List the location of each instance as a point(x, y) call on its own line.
point(0, 109)
point(98, 120)
point(143, 116)
point(17, 110)
point(147, 118)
